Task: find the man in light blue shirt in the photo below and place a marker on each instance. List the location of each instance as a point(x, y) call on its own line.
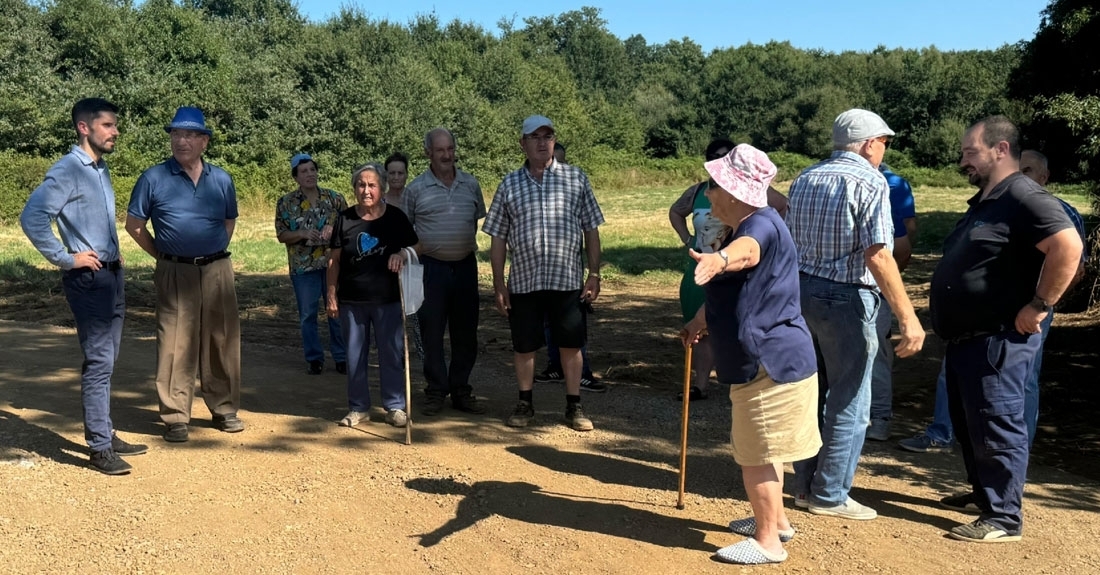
point(77, 194)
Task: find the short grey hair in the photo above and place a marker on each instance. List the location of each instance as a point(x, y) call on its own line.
point(1038, 156)
point(431, 134)
point(371, 167)
point(853, 147)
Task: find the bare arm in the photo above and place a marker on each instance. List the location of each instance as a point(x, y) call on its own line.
point(139, 230)
point(778, 201)
point(592, 248)
point(881, 263)
point(230, 225)
point(332, 274)
point(1063, 258)
point(903, 252)
point(679, 212)
point(742, 253)
point(498, 253)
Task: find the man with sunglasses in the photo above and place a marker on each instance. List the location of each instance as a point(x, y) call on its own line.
point(840, 220)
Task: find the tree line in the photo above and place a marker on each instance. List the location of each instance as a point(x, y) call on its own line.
point(351, 88)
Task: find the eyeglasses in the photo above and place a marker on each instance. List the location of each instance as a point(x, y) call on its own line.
point(885, 141)
point(185, 135)
point(540, 139)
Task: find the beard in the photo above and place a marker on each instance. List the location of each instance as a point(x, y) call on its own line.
point(103, 147)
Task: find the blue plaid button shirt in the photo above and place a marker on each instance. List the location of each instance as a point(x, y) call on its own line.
point(838, 208)
point(544, 225)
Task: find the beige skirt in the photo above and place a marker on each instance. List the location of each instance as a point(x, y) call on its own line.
point(774, 422)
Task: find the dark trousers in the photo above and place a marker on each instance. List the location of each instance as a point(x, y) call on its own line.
point(450, 302)
point(98, 302)
point(985, 396)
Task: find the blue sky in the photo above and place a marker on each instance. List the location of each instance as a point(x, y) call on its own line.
point(833, 26)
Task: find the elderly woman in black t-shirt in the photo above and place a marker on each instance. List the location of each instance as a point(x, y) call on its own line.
point(367, 242)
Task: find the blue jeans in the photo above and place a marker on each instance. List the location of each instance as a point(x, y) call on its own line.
point(882, 377)
point(940, 429)
point(309, 290)
point(842, 319)
point(389, 335)
point(986, 377)
point(451, 303)
point(98, 302)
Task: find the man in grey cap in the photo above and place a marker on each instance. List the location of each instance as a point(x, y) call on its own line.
point(840, 220)
point(546, 215)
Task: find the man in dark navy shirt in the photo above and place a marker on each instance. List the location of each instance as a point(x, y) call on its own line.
point(1008, 260)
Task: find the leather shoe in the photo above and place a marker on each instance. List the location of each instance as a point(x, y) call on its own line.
point(228, 423)
point(176, 433)
point(108, 462)
point(469, 404)
point(122, 448)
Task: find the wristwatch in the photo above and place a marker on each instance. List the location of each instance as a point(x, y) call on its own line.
point(725, 260)
point(1040, 304)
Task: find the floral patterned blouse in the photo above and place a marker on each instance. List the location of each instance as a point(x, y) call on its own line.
point(295, 212)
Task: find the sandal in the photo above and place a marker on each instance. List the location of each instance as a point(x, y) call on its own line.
point(695, 395)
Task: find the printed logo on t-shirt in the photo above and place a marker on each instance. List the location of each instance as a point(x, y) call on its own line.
point(368, 245)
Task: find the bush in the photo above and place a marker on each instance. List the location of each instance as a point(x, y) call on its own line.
point(19, 176)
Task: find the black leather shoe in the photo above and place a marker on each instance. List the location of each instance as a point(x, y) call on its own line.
point(122, 448)
point(228, 423)
point(315, 367)
point(432, 405)
point(342, 367)
point(176, 433)
point(469, 404)
point(108, 462)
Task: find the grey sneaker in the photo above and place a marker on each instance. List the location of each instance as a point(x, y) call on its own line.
point(801, 500)
point(575, 417)
point(924, 444)
point(980, 531)
point(879, 430)
point(397, 418)
point(108, 462)
point(353, 418)
point(521, 415)
point(850, 509)
point(961, 502)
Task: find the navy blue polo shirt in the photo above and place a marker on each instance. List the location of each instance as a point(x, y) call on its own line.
point(188, 219)
point(754, 316)
point(990, 264)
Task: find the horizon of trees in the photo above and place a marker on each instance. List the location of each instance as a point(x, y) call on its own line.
point(352, 89)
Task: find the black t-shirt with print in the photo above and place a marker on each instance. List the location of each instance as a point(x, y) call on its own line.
point(365, 249)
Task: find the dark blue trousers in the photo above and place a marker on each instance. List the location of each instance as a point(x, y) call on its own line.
point(985, 395)
point(98, 302)
point(450, 303)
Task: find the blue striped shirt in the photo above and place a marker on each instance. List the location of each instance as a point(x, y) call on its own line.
point(839, 208)
point(76, 192)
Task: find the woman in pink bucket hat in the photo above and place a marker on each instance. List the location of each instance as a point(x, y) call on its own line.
point(762, 347)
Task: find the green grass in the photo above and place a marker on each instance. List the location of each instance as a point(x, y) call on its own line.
point(638, 243)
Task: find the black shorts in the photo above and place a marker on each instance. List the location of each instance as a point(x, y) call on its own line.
point(561, 311)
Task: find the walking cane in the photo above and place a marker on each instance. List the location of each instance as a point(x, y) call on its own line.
point(684, 424)
point(408, 380)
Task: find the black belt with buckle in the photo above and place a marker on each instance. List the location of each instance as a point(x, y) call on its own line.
point(199, 261)
point(109, 266)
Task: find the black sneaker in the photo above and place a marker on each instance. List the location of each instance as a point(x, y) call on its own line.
point(469, 404)
point(315, 367)
point(108, 462)
point(120, 447)
point(575, 417)
point(550, 376)
point(590, 383)
point(433, 404)
point(228, 423)
point(962, 502)
point(342, 367)
point(521, 415)
point(980, 531)
point(176, 433)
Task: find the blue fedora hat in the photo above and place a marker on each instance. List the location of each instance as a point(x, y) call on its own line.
point(189, 118)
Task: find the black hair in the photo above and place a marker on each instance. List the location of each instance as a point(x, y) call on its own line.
point(89, 109)
point(716, 144)
point(1000, 129)
point(396, 157)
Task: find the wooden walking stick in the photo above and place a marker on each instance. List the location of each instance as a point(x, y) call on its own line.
point(684, 424)
point(408, 378)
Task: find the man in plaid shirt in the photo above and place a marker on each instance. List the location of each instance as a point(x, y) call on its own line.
point(546, 215)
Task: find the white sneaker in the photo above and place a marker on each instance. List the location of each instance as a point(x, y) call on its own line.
point(850, 509)
point(397, 418)
point(353, 418)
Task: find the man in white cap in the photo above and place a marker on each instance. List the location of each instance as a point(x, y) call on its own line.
point(546, 215)
point(192, 206)
point(840, 221)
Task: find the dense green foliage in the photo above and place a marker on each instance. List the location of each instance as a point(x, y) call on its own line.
point(353, 89)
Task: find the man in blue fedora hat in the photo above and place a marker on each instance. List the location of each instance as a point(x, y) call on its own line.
point(193, 209)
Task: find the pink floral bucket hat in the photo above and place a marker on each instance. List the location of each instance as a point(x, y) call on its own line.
point(745, 173)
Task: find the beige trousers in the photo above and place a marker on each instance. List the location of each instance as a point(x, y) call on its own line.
point(198, 335)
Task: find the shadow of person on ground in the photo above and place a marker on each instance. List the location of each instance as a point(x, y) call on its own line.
point(527, 502)
point(20, 435)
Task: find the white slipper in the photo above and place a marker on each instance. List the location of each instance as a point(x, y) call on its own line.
point(749, 552)
point(747, 527)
